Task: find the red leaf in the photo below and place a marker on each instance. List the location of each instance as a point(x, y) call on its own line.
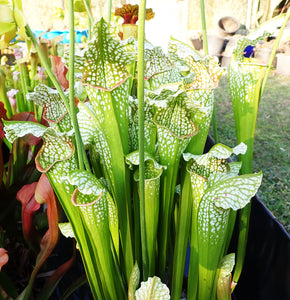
point(29, 207)
point(2, 116)
point(60, 70)
point(1, 160)
point(2, 133)
point(25, 116)
point(2, 111)
point(3, 257)
point(44, 192)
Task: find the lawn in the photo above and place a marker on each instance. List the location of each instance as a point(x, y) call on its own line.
point(271, 149)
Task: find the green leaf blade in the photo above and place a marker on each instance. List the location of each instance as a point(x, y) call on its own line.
point(235, 192)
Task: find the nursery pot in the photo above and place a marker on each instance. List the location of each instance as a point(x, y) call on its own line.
point(283, 64)
point(226, 61)
point(266, 272)
point(197, 43)
point(215, 44)
point(228, 25)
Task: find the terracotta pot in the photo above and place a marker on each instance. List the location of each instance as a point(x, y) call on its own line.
point(228, 25)
point(197, 43)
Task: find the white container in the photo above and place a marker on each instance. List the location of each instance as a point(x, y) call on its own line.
point(283, 64)
point(226, 61)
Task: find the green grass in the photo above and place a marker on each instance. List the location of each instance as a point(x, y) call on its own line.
point(271, 148)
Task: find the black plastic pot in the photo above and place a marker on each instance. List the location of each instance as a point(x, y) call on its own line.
point(266, 273)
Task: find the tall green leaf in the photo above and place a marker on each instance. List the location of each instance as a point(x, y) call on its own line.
point(174, 131)
point(105, 77)
point(200, 168)
point(245, 79)
point(153, 172)
point(101, 222)
point(213, 215)
point(56, 158)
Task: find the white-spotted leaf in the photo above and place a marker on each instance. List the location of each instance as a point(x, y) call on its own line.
point(159, 70)
point(214, 161)
point(88, 184)
point(56, 147)
point(243, 42)
point(88, 123)
point(152, 289)
point(66, 230)
point(132, 159)
point(16, 129)
point(227, 265)
point(235, 192)
point(105, 58)
point(54, 109)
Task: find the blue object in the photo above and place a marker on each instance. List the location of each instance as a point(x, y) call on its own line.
point(49, 35)
point(249, 51)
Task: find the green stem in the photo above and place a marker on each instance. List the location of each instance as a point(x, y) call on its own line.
point(273, 53)
point(33, 71)
point(82, 158)
point(45, 63)
point(137, 233)
point(203, 23)
point(246, 135)
point(109, 10)
point(205, 48)
point(88, 8)
point(244, 220)
point(3, 95)
point(165, 240)
point(141, 38)
point(24, 104)
point(87, 4)
point(244, 217)
point(48, 70)
point(214, 124)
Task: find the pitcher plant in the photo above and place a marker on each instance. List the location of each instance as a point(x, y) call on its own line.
point(122, 148)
